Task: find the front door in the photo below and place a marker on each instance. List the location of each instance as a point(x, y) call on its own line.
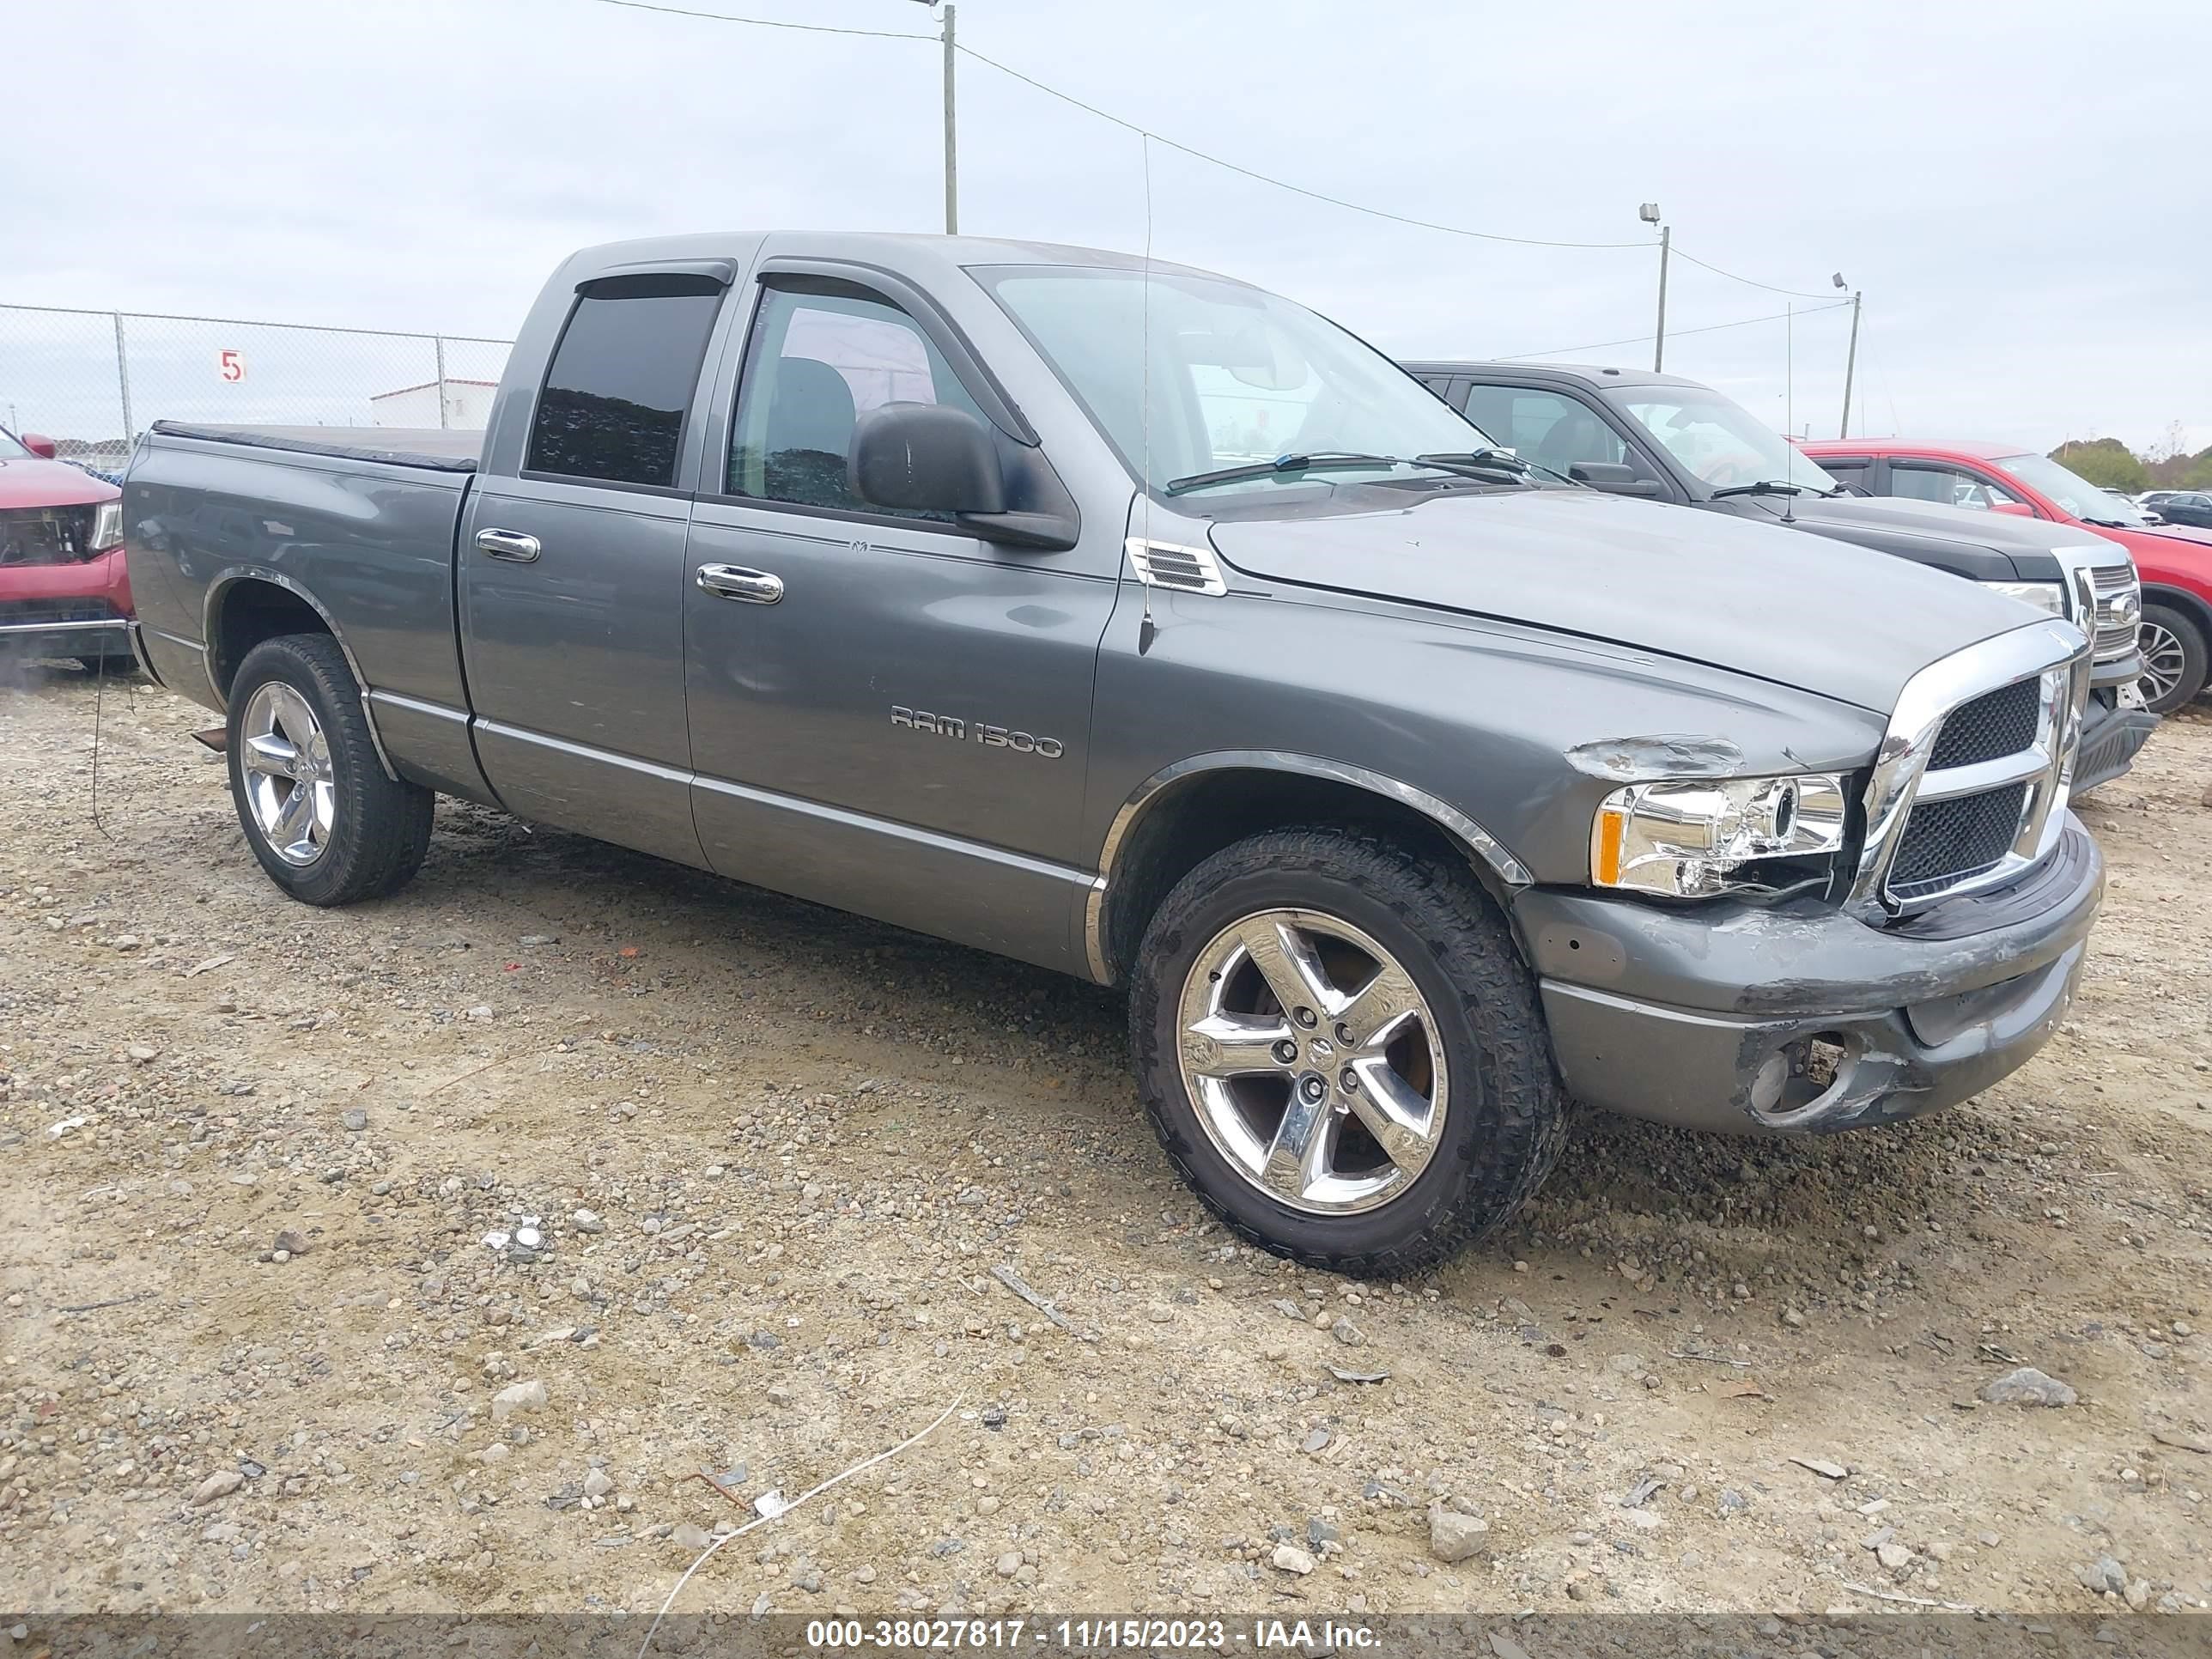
point(571, 576)
point(887, 713)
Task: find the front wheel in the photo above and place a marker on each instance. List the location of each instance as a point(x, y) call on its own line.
point(1341, 1052)
point(2173, 652)
point(319, 810)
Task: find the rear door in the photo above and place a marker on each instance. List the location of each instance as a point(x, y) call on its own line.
point(572, 573)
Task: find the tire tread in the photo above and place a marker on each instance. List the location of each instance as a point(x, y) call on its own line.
point(1518, 1082)
point(386, 833)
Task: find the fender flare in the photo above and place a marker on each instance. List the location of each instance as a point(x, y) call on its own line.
point(1488, 854)
point(229, 577)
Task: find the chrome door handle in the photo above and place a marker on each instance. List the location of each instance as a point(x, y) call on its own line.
point(508, 544)
point(734, 581)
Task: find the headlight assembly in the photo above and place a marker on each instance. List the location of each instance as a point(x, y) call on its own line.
point(1695, 838)
point(107, 526)
point(2043, 596)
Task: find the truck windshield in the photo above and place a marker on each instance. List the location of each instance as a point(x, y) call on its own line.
point(1719, 439)
point(1235, 378)
point(9, 449)
point(2074, 493)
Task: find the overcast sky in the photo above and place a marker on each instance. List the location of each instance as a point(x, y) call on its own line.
point(2020, 189)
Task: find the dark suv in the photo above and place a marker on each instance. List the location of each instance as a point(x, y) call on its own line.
point(1629, 432)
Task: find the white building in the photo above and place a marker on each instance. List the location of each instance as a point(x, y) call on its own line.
point(468, 404)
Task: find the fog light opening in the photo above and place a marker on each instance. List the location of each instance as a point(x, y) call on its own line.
point(1805, 1074)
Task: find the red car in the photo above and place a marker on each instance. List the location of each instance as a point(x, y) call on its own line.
point(63, 589)
point(2174, 561)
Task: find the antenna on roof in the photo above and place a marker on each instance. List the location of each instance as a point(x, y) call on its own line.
point(1789, 406)
point(1147, 631)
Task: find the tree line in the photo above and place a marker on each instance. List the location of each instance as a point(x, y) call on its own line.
point(2111, 464)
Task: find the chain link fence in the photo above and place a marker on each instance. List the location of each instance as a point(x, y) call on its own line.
point(93, 380)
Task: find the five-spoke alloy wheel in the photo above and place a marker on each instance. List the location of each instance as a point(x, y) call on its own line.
point(325, 819)
point(1342, 1051)
point(288, 786)
point(1313, 1061)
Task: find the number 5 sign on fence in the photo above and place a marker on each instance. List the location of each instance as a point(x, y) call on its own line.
point(230, 367)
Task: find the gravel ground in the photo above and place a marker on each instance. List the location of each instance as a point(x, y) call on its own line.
point(489, 1247)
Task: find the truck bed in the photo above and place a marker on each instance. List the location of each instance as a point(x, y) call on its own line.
point(394, 445)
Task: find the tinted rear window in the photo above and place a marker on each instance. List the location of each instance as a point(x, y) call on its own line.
point(621, 378)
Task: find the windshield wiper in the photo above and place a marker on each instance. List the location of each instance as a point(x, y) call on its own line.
point(1488, 463)
point(1768, 487)
point(1282, 465)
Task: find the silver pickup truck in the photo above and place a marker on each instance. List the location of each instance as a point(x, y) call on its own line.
point(1138, 623)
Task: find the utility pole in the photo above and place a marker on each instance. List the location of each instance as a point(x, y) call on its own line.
point(1850, 362)
point(1648, 213)
point(952, 149)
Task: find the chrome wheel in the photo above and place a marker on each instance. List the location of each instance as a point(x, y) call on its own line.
point(2165, 660)
point(1312, 1060)
point(285, 761)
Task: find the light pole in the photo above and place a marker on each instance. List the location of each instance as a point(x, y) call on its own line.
point(1648, 213)
point(951, 151)
point(1851, 358)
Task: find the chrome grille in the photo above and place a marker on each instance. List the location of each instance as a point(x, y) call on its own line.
point(1952, 840)
point(2001, 723)
point(2118, 597)
point(1969, 789)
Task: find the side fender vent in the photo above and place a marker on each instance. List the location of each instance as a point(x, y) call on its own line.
point(1172, 564)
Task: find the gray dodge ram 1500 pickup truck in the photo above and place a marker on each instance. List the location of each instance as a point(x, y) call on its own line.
point(1130, 621)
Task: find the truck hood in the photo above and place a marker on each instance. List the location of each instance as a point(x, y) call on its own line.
point(32, 482)
point(1900, 527)
point(1795, 610)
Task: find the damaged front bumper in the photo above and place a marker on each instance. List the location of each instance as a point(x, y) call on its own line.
point(78, 608)
point(2112, 733)
point(1799, 1018)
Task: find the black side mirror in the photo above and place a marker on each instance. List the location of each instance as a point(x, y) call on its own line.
point(1613, 477)
point(926, 457)
point(932, 458)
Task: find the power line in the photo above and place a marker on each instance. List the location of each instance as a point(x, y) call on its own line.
point(1794, 293)
point(1128, 126)
point(767, 22)
point(1267, 179)
point(1708, 328)
point(1196, 153)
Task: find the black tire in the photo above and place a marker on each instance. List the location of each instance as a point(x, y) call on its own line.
point(2185, 629)
point(1507, 1114)
point(381, 829)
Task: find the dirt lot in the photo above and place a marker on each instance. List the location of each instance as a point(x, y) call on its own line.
point(775, 1155)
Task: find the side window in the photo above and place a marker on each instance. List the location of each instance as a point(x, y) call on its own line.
point(817, 363)
point(621, 380)
point(1947, 485)
point(1850, 470)
point(1548, 428)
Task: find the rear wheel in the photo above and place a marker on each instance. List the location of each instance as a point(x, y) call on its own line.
point(2173, 652)
point(319, 810)
point(1341, 1052)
